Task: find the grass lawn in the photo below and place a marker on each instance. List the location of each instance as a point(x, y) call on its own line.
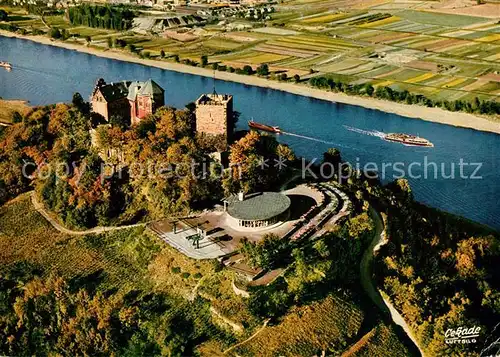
point(323, 18)
point(440, 19)
point(57, 21)
point(89, 31)
point(8, 107)
point(117, 259)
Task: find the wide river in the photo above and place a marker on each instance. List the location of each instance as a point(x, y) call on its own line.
point(46, 74)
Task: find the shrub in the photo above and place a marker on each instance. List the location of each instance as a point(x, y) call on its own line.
point(55, 33)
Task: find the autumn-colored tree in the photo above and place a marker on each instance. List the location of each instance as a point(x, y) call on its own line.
point(257, 162)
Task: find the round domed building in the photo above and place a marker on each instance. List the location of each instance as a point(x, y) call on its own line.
point(257, 210)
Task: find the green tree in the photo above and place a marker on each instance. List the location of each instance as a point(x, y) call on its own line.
point(80, 104)
point(55, 33)
point(204, 60)
point(247, 70)
point(369, 89)
point(268, 253)
point(17, 117)
point(332, 156)
point(119, 121)
point(263, 69)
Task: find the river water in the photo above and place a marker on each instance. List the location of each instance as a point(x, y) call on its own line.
point(45, 74)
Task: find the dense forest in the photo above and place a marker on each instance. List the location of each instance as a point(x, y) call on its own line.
point(107, 17)
point(440, 271)
point(52, 316)
point(155, 168)
point(476, 106)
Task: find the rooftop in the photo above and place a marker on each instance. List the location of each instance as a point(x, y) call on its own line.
point(258, 206)
point(214, 99)
point(114, 91)
point(149, 87)
point(118, 90)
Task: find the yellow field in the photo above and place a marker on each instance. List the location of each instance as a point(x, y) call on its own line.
point(324, 18)
point(382, 22)
point(454, 82)
point(420, 78)
point(263, 58)
point(385, 83)
point(490, 38)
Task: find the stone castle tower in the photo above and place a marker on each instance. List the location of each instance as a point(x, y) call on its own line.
point(214, 114)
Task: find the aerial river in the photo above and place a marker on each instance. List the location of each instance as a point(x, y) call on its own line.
point(46, 74)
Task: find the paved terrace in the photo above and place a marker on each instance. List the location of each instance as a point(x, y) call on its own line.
point(210, 247)
point(308, 212)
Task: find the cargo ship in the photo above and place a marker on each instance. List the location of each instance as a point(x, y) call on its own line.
point(263, 127)
point(6, 65)
point(407, 139)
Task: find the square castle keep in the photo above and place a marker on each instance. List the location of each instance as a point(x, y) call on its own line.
point(214, 114)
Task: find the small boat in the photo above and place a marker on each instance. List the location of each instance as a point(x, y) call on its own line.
point(407, 139)
point(6, 65)
point(263, 127)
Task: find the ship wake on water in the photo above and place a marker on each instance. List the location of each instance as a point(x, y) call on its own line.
point(400, 138)
point(375, 133)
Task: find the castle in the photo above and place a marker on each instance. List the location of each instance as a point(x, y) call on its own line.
point(132, 101)
point(214, 115)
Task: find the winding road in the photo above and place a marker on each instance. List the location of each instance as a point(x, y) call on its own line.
point(96, 230)
point(379, 239)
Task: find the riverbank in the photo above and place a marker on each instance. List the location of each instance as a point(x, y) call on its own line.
point(429, 114)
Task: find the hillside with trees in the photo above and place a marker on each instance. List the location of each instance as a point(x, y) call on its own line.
point(440, 271)
point(156, 168)
point(124, 292)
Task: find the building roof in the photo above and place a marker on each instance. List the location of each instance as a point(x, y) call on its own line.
point(259, 206)
point(151, 87)
point(214, 99)
point(148, 88)
point(114, 91)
